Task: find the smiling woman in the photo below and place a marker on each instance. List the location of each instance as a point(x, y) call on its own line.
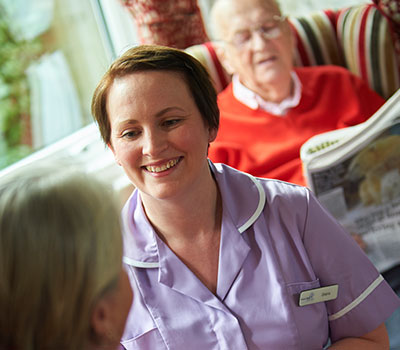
point(201, 240)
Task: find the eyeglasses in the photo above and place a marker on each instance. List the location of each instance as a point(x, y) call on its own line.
point(268, 31)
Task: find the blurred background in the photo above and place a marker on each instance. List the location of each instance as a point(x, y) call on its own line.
point(52, 54)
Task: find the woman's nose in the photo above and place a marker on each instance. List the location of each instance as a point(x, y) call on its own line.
point(153, 143)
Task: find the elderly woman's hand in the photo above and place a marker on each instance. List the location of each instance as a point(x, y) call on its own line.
point(376, 340)
point(358, 238)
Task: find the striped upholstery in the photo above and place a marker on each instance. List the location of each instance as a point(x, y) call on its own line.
point(205, 53)
point(365, 37)
point(358, 38)
point(316, 39)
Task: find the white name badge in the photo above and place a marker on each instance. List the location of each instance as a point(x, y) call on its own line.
point(318, 295)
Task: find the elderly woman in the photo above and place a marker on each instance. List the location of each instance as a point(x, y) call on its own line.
point(219, 259)
point(62, 284)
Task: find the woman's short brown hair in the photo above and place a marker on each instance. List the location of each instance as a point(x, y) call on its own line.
point(157, 58)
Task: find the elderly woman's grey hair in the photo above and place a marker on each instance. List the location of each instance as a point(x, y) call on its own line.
point(60, 251)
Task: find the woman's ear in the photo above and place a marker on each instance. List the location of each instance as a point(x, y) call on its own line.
point(109, 314)
point(102, 324)
point(99, 319)
point(212, 134)
point(109, 145)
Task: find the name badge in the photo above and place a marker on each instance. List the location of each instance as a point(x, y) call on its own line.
point(318, 295)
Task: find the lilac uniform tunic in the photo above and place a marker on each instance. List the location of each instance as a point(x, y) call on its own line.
point(276, 241)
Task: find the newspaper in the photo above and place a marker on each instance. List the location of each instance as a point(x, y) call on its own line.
point(355, 173)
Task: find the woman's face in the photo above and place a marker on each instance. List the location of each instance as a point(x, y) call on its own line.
point(158, 135)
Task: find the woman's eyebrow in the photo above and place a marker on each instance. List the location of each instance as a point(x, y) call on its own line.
point(159, 114)
point(168, 109)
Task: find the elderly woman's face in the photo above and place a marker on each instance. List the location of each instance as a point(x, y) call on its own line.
point(260, 46)
point(158, 135)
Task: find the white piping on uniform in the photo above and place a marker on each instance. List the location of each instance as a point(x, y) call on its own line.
point(260, 207)
point(357, 301)
point(244, 227)
point(141, 264)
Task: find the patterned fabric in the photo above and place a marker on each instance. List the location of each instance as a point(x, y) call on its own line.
point(391, 10)
point(358, 38)
point(206, 54)
point(316, 39)
point(365, 38)
point(174, 23)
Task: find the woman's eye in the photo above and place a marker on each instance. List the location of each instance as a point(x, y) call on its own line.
point(171, 122)
point(130, 134)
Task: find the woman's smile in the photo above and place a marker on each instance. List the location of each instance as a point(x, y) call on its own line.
point(159, 168)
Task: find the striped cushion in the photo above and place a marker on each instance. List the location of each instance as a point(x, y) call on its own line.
point(365, 37)
point(316, 39)
point(391, 10)
point(205, 53)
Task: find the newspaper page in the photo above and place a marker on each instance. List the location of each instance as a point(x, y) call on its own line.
point(355, 173)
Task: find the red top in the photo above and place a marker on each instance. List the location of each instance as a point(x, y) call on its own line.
point(267, 145)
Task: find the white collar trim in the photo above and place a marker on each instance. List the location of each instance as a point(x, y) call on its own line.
point(260, 207)
point(141, 264)
point(241, 229)
point(254, 101)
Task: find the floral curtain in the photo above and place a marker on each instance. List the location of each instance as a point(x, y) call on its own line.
point(174, 23)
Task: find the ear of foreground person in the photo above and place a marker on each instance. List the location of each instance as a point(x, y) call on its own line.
point(62, 284)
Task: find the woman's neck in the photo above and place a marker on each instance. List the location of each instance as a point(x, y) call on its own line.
point(196, 213)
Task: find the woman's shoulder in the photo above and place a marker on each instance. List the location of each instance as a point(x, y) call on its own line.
point(242, 188)
point(286, 196)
